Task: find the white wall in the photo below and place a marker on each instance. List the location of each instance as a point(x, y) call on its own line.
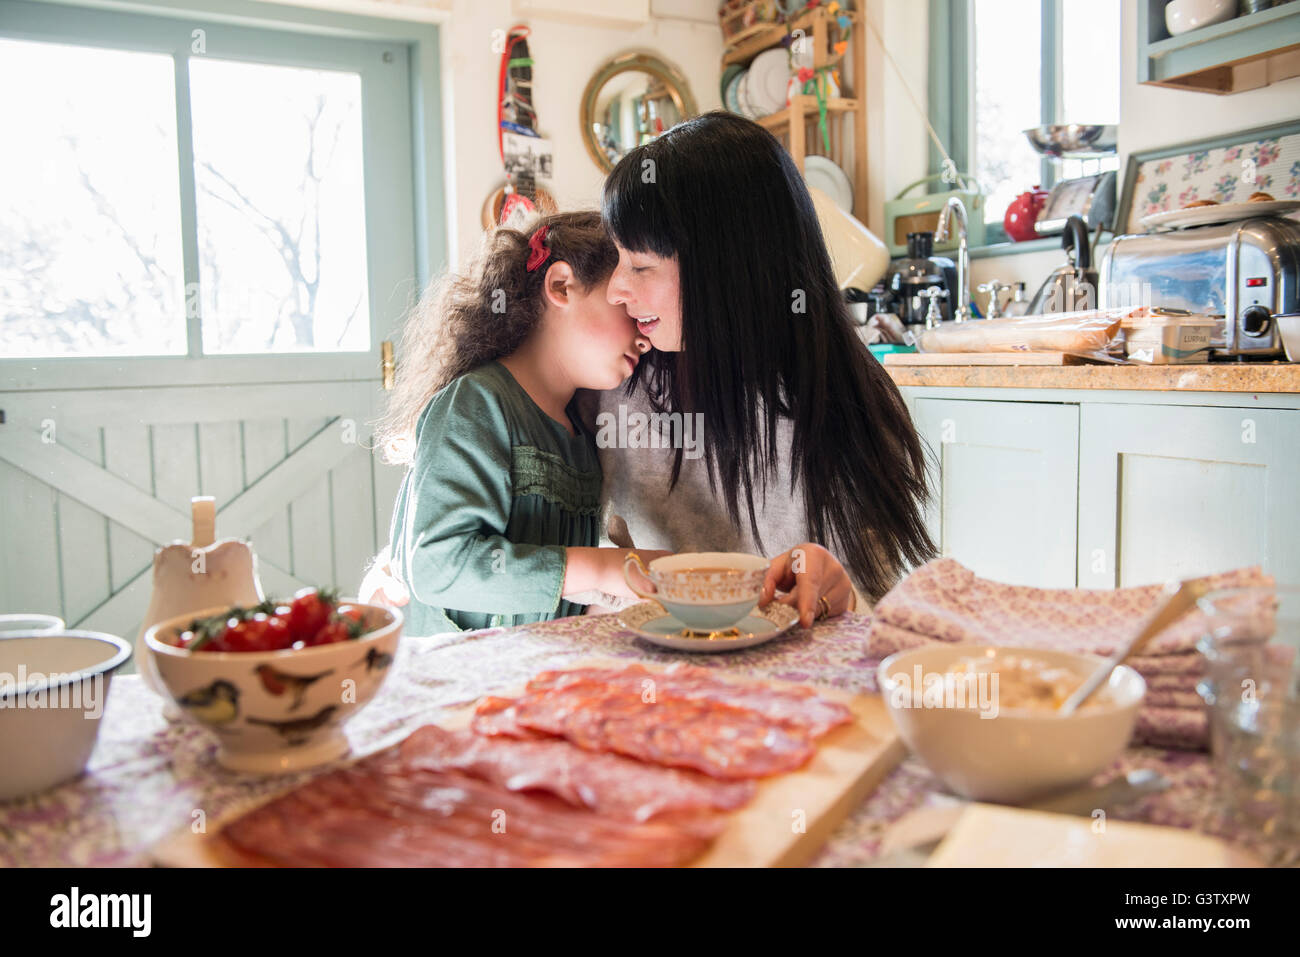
point(684, 33)
point(567, 56)
point(897, 144)
point(1152, 117)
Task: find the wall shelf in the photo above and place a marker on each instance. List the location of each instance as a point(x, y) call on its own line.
point(1243, 53)
point(802, 105)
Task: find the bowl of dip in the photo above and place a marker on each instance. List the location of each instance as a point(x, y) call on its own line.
point(985, 718)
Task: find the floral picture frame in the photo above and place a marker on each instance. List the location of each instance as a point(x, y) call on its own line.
point(1226, 169)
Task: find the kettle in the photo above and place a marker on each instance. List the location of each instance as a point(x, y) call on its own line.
point(1072, 286)
point(1022, 214)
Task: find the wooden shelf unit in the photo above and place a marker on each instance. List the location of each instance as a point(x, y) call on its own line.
point(762, 36)
point(796, 126)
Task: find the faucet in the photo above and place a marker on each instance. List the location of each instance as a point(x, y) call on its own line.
point(994, 288)
point(933, 315)
point(961, 308)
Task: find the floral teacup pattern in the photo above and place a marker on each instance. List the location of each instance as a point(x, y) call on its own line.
point(703, 577)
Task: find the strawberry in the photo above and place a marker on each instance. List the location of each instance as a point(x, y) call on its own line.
point(278, 634)
point(333, 631)
point(310, 611)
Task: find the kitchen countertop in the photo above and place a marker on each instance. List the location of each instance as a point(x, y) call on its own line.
point(147, 777)
point(1219, 377)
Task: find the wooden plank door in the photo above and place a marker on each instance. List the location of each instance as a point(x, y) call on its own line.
point(93, 483)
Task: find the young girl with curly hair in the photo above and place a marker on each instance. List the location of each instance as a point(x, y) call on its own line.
point(496, 521)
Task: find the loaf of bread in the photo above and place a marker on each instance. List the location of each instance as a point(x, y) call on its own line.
point(1261, 198)
point(1087, 331)
point(1197, 203)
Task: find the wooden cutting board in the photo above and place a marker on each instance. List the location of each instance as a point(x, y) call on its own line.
point(985, 359)
point(786, 823)
point(850, 762)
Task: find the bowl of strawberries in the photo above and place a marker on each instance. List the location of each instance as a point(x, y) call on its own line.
point(275, 682)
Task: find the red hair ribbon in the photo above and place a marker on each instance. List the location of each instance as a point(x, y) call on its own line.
point(539, 252)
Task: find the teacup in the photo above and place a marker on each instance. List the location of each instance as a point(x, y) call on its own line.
point(705, 591)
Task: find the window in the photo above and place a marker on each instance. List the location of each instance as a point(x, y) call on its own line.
point(90, 252)
point(999, 67)
point(282, 251)
point(203, 191)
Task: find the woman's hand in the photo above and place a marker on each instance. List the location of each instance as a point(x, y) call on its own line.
point(806, 573)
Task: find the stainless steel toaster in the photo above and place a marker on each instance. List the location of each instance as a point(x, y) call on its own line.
point(1247, 271)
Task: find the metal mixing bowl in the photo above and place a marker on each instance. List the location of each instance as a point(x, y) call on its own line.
point(1061, 139)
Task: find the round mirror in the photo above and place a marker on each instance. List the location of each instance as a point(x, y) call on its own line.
point(631, 100)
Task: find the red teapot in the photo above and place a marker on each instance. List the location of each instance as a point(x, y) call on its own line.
point(1023, 213)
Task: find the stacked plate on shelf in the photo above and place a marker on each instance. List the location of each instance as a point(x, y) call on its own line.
point(826, 175)
point(761, 89)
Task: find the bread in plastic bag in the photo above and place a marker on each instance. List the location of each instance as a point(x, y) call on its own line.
point(1091, 330)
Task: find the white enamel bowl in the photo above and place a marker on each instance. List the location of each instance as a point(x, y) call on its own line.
point(53, 688)
point(1018, 753)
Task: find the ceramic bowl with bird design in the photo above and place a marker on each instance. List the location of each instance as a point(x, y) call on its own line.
point(276, 711)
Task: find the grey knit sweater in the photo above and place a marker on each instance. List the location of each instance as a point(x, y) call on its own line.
point(691, 517)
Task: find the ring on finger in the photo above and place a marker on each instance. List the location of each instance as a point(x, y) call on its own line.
point(825, 607)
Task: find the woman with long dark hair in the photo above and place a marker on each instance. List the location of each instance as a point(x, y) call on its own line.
point(806, 438)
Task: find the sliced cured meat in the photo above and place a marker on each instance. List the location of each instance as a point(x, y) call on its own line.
point(792, 706)
point(606, 783)
point(719, 739)
point(381, 812)
point(496, 716)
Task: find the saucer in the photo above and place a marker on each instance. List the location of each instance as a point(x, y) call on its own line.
point(648, 620)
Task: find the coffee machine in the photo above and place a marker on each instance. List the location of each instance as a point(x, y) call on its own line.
point(906, 283)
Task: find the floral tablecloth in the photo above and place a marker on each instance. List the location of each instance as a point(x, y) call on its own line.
point(148, 777)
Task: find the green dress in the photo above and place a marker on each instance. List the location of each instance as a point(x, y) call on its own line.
point(497, 492)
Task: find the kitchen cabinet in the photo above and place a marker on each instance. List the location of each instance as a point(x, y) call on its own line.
point(1004, 501)
point(1242, 53)
point(1176, 492)
point(1102, 489)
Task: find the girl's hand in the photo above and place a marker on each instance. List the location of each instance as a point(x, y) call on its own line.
point(379, 587)
point(808, 572)
point(647, 555)
point(600, 569)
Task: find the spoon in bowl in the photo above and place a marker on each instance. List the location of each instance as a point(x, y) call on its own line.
point(1181, 597)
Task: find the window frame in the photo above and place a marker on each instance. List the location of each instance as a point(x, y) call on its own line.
point(402, 146)
point(952, 94)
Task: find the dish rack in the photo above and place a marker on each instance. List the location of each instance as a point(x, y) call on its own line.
point(751, 28)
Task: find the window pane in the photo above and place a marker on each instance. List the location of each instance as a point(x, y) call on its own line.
point(90, 249)
point(1090, 61)
point(1008, 88)
point(1074, 168)
point(281, 208)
